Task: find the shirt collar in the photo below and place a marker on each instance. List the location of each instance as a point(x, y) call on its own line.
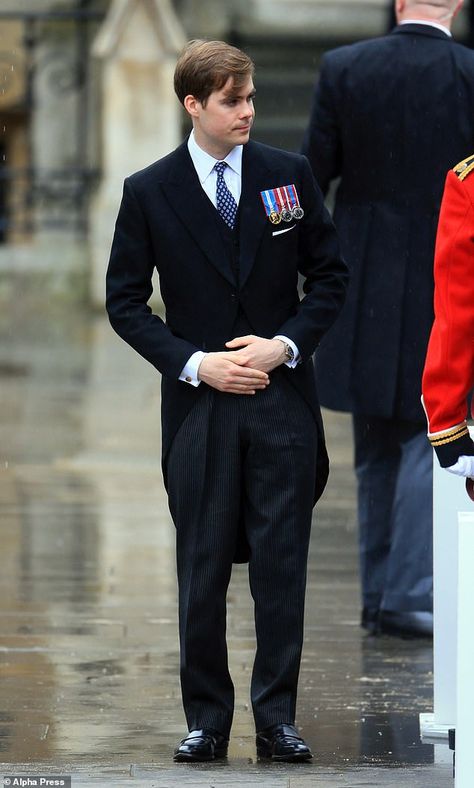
point(437, 25)
point(204, 163)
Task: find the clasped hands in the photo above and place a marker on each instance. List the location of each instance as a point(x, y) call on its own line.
point(244, 368)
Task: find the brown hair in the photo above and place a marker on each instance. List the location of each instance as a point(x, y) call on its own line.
point(205, 66)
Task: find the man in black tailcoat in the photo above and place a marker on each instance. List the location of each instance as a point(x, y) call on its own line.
point(390, 116)
point(229, 225)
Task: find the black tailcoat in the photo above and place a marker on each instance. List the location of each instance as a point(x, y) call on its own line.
point(167, 222)
point(390, 117)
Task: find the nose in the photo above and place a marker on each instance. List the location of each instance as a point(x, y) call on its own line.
point(248, 112)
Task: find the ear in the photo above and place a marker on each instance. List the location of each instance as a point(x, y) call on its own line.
point(400, 6)
point(192, 106)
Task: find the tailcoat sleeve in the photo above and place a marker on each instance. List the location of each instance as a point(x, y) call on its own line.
point(129, 288)
point(449, 368)
point(322, 140)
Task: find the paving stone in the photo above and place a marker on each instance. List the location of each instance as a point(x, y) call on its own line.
point(88, 605)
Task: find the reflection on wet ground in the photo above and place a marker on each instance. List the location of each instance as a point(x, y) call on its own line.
point(88, 641)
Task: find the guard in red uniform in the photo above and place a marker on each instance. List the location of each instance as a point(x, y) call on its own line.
point(448, 376)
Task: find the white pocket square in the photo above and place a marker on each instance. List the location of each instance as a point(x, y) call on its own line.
point(286, 230)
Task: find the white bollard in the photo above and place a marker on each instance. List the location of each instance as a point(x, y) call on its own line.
point(449, 498)
point(465, 654)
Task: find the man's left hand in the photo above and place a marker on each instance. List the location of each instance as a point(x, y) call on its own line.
point(262, 354)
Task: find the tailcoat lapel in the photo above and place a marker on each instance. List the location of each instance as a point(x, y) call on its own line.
point(194, 208)
point(191, 204)
point(256, 177)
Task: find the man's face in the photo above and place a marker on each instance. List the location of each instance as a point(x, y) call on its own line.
point(226, 119)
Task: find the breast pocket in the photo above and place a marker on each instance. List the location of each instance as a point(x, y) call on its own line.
point(279, 233)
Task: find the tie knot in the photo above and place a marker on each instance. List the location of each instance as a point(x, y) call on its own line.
point(220, 167)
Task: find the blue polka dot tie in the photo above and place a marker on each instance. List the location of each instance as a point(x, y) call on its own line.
point(225, 202)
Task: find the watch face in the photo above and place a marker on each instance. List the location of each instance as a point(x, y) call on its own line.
point(289, 353)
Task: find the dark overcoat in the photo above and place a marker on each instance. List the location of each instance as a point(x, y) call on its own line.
point(390, 116)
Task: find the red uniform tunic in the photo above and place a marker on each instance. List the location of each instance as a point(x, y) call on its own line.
point(449, 369)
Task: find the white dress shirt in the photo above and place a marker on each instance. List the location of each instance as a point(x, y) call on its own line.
point(204, 166)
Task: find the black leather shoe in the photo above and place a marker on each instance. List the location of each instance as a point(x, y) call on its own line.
point(416, 623)
point(282, 743)
point(201, 745)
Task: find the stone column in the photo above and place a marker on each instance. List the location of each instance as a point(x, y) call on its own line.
point(137, 47)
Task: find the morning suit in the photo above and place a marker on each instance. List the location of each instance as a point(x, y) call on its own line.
point(233, 465)
point(390, 117)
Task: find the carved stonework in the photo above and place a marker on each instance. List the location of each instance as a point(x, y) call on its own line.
point(137, 47)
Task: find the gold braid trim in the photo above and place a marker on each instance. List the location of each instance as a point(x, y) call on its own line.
point(449, 436)
point(464, 167)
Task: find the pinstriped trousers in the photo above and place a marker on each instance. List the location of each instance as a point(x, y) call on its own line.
point(242, 462)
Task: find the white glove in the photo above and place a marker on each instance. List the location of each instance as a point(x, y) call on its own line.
point(463, 467)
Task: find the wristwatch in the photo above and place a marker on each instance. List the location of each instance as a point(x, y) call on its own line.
point(289, 352)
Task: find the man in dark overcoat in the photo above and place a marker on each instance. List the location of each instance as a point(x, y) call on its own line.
point(230, 225)
point(390, 116)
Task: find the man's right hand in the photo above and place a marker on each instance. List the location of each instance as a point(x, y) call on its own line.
point(227, 372)
point(463, 467)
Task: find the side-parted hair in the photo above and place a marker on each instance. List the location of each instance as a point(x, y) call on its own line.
point(205, 66)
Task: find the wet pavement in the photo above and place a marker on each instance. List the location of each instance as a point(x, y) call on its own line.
point(88, 634)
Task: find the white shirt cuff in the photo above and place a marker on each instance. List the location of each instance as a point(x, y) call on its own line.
point(189, 373)
point(297, 357)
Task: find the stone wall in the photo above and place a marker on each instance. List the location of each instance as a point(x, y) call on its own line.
point(125, 127)
point(329, 20)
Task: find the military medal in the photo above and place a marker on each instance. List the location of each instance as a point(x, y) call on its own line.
point(282, 204)
point(274, 217)
point(285, 211)
point(296, 208)
point(270, 203)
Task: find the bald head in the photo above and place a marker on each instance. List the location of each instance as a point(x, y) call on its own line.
point(442, 11)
